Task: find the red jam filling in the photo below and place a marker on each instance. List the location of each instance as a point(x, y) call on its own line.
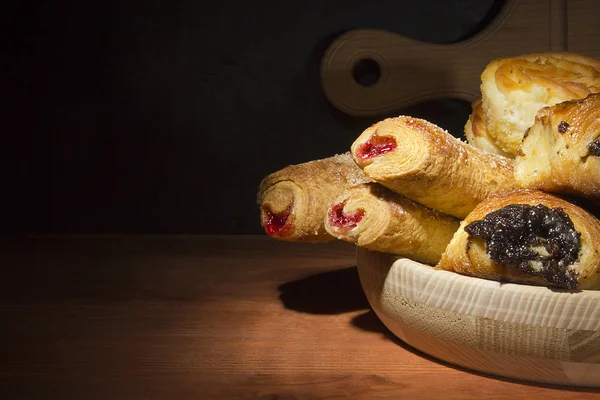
point(341, 219)
point(376, 146)
point(277, 224)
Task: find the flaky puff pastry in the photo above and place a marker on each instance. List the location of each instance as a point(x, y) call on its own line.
point(514, 89)
point(423, 162)
point(531, 239)
point(476, 131)
point(373, 217)
point(561, 151)
point(293, 201)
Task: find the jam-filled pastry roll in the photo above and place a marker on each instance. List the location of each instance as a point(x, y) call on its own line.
point(293, 201)
point(423, 162)
point(561, 151)
point(476, 131)
point(515, 88)
point(528, 236)
point(373, 217)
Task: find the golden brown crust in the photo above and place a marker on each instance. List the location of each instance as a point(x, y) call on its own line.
point(432, 167)
point(555, 154)
point(303, 192)
point(476, 131)
point(470, 257)
point(515, 88)
point(390, 223)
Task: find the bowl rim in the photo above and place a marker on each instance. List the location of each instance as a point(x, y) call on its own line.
point(502, 301)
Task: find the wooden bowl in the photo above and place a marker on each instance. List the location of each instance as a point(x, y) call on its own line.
point(518, 331)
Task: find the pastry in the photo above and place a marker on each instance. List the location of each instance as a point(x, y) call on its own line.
point(476, 131)
point(561, 151)
point(528, 236)
point(378, 219)
point(514, 89)
point(423, 162)
point(293, 201)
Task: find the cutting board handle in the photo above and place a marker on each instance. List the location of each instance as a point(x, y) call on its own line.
point(370, 72)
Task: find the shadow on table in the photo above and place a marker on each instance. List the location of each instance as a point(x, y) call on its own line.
point(334, 292)
point(339, 291)
point(368, 321)
point(331, 292)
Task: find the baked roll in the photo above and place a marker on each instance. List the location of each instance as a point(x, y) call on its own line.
point(514, 89)
point(373, 217)
point(423, 162)
point(528, 236)
point(476, 131)
point(293, 201)
point(561, 151)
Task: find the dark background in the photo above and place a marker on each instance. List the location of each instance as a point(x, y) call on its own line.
point(163, 116)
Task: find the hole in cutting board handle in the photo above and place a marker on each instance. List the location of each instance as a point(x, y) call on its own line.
point(412, 71)
point(366, 72)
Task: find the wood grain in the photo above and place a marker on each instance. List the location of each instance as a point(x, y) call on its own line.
point(177, 317)
point(411, 72)
point(584, 33)
point(519, 331)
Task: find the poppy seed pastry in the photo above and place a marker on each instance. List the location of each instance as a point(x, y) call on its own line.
point(528, 236)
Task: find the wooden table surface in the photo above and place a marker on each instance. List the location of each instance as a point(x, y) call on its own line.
point(224, 317)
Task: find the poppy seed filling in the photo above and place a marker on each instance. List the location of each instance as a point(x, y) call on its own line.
point(537, 240)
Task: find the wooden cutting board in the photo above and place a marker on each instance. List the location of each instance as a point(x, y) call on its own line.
point(369, 72)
